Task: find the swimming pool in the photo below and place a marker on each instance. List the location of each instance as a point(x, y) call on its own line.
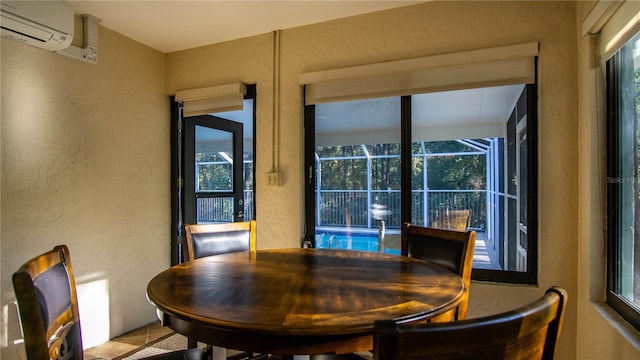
point(363, 241)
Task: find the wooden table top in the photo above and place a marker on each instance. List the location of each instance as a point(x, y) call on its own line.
point(299, 296)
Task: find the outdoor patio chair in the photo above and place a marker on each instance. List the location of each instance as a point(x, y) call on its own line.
point(45, 289)
point(529, 332)
point(451, 249)
point(452, 219)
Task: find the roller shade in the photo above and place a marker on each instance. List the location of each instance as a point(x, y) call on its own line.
point(212, 99)
point(505, 65)
point(619, 27)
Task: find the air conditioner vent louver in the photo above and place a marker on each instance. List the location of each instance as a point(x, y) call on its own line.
point(44, 24)
point(25, 29)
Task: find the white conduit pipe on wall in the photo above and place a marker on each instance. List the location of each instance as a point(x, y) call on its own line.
point(89, 50)
point(274, 174)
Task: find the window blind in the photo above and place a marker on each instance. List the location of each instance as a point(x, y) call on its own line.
point(615, 22)
point(212, 99)
point(504, 65)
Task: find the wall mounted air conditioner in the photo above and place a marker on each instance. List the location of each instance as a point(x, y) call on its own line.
point(44, 24)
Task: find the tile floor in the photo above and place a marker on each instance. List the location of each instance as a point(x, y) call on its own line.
point(127, 342)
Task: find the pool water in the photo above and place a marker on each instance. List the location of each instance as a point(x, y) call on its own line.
point(362, 242)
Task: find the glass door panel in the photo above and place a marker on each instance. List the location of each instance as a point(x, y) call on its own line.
point(456, 137)
point(214, 175)
point(213, 170)
point(357, 168)
point(521, 160)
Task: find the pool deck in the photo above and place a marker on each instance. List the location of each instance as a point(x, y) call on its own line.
point(484, 258)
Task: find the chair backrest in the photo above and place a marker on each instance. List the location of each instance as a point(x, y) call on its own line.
point(529, 332)
point(452, 249)
point(48, 306)
point(213, 239)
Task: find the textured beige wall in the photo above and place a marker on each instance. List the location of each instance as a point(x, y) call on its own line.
point(85, 162)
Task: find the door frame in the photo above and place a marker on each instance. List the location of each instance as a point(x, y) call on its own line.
point(176, 134)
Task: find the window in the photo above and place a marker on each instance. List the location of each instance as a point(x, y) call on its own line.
point(623, 175)
point(446, 140)
point(470, 167)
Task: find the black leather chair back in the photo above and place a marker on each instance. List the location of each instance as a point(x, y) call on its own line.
point(207, 244)
point(214, 239)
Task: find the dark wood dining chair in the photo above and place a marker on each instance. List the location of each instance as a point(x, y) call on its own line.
point(214, 239)
point(529, 332)
point(45, 289)
point(452, 249)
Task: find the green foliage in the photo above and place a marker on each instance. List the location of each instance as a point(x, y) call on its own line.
point(215, 172)
point(456, 172)
point(443, 147)
point(214, 177)
point(345, 167)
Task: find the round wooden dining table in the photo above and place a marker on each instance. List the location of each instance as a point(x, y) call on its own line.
point(299, 301)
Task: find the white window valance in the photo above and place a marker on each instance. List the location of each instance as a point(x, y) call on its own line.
point(212, 99)
point(505, 65)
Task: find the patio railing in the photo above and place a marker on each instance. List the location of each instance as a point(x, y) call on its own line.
point(353, 207)
point(221, 209)
point(341, 208)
